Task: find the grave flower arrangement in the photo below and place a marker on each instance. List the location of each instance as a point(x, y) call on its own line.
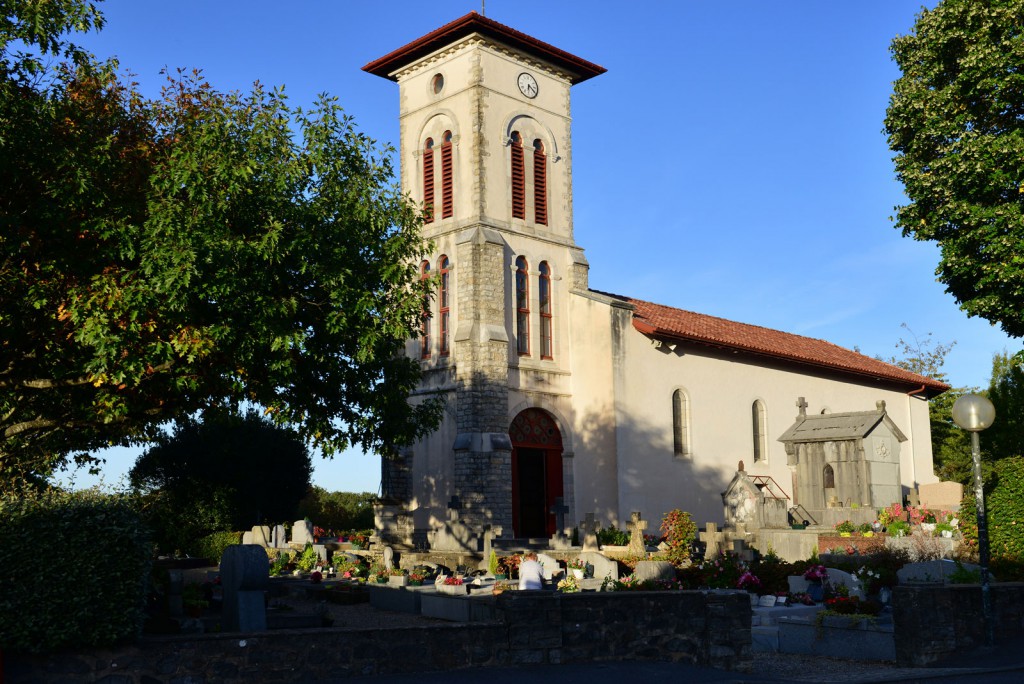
point(453, 581)
point(316, 577)
point(569, 585)
point(816, 573)
point(318, 532)
point(576, 564)
point(396, 572)
point(511, 565)
point(749, 582)
point(358, 540)
point(844, 528)
point(868, 579)
point(415, 579)
point(723, 572)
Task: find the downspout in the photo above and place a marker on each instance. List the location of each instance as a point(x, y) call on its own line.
point(910, 416)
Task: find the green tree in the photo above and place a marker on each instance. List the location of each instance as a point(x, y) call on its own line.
point(956, 123)
point(1006, 392)
point(951, 446)
point(338, 511)
point(223, 473)
point(158, 258)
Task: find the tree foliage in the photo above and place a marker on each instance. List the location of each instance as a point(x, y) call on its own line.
point(203, 249)
point(224, 473)
point(338, 511)
point(955, 121)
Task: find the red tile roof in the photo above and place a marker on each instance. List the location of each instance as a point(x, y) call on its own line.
point(579, 69)
point(666, 322)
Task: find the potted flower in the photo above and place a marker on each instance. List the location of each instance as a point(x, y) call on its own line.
point(749, 582)
point(577, 568)
point(378, 574)
point(452, 585)
point(318, 534)
point(397, 578)
point(845, 528)
point(944, 529)
point(415, 579)
point(816, 575)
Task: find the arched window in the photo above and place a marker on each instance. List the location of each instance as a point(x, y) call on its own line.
point(522, 308)
point(680, 423)
point(544, 294)
point(540, 183)
point(443, 306)
point(428, 180)
point(759, 432)
point(425, 317)
point(518, 178)
point(446, 176)
point(828, 477)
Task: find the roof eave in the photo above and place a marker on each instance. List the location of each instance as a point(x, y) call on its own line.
point(387, 66)
point(933, 388)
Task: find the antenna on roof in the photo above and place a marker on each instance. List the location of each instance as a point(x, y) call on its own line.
point(483, 7)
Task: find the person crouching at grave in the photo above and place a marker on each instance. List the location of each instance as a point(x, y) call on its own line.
point(531, 572)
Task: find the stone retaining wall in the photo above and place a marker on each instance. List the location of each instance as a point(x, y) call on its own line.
point(934, 621)
point(532, 627)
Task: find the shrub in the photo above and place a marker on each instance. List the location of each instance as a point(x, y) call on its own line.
point(1004, 500)
point(611, 536)
point(680, 532)
point(103, 538)
point(212, 545)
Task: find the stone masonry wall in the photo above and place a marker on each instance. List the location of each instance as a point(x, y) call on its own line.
point(932, 622)
point(532, 627)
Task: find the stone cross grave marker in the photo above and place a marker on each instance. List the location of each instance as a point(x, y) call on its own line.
point(712, 539)
point(636, 526)
point(559, 509)
point(454, 507)
point(590, 526)
point(742, 551)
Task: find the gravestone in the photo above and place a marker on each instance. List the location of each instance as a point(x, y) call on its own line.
point(302, 532)
point(603, 566)
point(490, 533)
point(654, 570)
point(837, 578)
point(941, 496)
point(248, 537)
point(260, 535)
point(742, 551)
point(636, 526)
point(713, 540)
point(454, 535)
point(549, 564)
point(280, 537)
point(589, 527)
point(389, 558)
point(244, 576)
point(934, 571)
point(559, 540)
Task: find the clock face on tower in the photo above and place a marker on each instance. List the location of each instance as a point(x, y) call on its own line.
point(527, 85)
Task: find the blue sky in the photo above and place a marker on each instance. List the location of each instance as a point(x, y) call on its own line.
point(731, 161)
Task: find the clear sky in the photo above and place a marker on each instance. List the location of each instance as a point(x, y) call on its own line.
point(731, 161)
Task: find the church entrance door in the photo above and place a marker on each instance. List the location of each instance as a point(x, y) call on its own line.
point(536, 472)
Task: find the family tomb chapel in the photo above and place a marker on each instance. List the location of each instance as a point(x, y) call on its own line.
point(564, 401)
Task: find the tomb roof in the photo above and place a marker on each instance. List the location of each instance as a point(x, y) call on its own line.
point(659, 321)
point(577, 68)
point(832, 427)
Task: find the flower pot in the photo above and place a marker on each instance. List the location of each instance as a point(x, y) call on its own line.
point(501, 576)
point(816, 591)
point(415, 583)
point(576, 572)
point(398, 581)
point(928, 527)
point(451, 589)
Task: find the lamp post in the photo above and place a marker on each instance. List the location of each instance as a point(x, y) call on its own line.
point(975, 413)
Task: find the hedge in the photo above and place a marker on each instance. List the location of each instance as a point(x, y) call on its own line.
point(212, 545)
point(1004, 506)
point(76, 567)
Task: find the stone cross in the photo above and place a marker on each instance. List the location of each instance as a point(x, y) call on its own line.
point(559, 509)
point(590, 526)
point(454, 506)
point(636, 539)
point(744, 553)
point(712, 539)
point(913, 498)
point(802, 405)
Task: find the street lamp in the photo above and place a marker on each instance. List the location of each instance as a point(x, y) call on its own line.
point(975, 413)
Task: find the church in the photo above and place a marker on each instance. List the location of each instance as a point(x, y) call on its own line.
point(563, 401)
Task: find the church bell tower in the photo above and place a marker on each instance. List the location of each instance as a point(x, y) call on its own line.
point(485, 148)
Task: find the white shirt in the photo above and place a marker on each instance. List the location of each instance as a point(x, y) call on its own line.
point(531, 575)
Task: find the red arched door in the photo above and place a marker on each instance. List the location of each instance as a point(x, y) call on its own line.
point(536, 472)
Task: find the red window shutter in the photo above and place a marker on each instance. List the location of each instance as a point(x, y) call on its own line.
point(540, 186)
point(446, 179)
point(428, 181)
point(518, 180)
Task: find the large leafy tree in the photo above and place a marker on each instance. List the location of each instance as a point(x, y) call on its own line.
point(201, 250)
point(956, 123)
point(221, 473)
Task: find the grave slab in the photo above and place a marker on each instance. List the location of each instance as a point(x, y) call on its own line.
point(838, 637)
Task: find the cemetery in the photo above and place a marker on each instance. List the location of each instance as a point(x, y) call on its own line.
point(710, 597)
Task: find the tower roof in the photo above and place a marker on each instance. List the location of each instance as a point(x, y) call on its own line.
point(578, 69)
